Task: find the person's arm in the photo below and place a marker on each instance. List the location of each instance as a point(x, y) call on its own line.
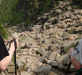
point(5, 61)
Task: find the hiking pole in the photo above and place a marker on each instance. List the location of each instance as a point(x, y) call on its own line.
point(69, 66)
point(15, 44)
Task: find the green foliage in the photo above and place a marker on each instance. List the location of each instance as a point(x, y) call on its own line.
point(18, 11)
point(6, 10)
point(3, 31)
point(36, 4)
point(25, 11)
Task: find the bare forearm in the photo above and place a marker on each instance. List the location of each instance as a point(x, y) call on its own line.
point(5, 61)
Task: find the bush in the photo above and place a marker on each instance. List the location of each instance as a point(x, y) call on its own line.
point(18, 11)
point(3, 32)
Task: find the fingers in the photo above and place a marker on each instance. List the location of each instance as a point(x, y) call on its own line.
point(13, 44)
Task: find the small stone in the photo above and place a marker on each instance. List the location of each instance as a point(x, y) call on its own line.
point(58, 10)
point(73, 37)
point(52, 73)
point(52, 63)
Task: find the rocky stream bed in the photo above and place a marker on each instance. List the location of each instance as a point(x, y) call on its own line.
point(43, 48)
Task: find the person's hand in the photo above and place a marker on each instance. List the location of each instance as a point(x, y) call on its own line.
point(14, 44)
point(16, 39)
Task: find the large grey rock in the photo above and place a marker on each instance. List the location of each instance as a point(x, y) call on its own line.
point(43, 68)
